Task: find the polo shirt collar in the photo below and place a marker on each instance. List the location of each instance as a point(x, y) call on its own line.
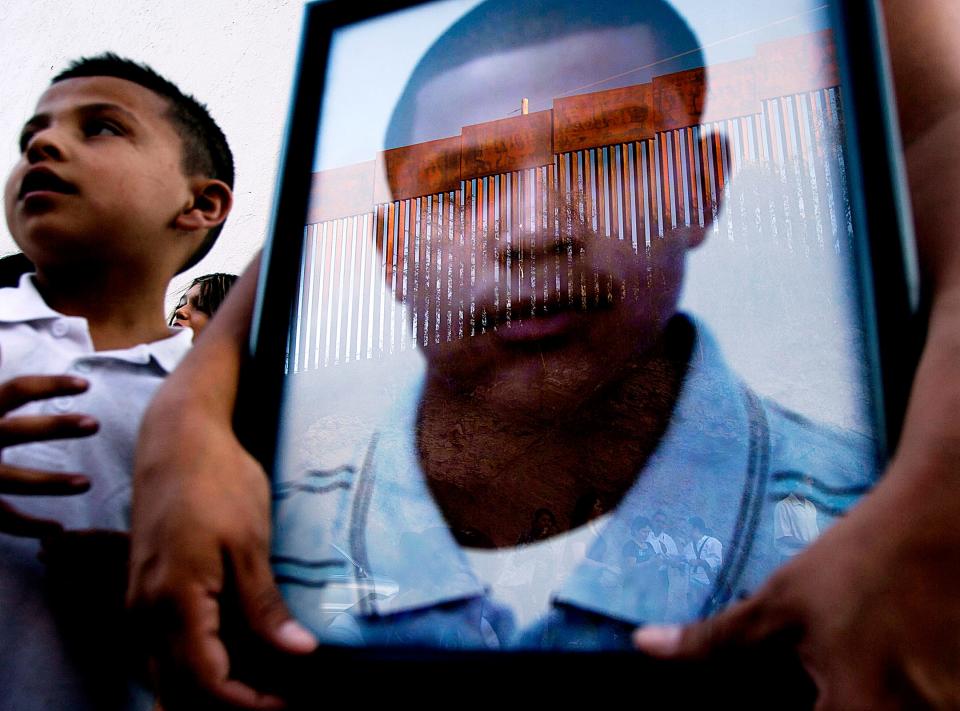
point(429, 566)
point(24, 304)
point(699, 468)
point(166, 353)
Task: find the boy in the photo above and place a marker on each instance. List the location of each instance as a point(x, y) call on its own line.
point(123, 181)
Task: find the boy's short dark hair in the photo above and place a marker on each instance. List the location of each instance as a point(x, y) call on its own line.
point(205, 148)
point(12, 267)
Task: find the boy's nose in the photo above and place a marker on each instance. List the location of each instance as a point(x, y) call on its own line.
point(44, 145)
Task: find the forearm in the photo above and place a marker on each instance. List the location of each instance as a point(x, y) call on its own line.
point(923, 44)
point(922, 37)
point(192, 409)
point(933, 170)
point(930, 442)
point(201, 526)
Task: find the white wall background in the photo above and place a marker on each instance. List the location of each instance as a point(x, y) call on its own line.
point(236, 56)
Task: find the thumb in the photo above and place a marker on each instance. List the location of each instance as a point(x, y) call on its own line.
point(265, 610)
point(745, 624)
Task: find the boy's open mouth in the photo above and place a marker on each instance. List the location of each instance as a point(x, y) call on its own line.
point(43, 180)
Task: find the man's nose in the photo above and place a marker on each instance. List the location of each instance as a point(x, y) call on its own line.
point(46, 144)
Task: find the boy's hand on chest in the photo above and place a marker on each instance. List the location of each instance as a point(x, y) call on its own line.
point(24, 429)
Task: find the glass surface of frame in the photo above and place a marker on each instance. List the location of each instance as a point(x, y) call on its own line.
point(579, 337)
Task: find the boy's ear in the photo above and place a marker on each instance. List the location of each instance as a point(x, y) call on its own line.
point(714, 176)
point(211, 203)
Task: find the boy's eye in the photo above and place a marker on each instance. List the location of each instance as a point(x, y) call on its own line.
point(100, 127)
point(195, 306)
point(25, 140)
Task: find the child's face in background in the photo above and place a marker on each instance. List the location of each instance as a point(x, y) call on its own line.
point(100, 177)
point(188, 314)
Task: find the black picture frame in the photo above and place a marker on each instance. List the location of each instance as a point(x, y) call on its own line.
point(892, 307)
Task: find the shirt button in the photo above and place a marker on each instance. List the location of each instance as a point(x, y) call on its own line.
point(60, 329)
point(82, 367)
point(62, 404)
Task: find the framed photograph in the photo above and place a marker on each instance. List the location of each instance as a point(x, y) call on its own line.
point(569, 320)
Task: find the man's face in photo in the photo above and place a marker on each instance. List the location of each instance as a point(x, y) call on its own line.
point(608, 298)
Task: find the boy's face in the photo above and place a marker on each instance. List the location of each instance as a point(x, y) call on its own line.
point(100, 176)
point(642, 534)
point(660, 522)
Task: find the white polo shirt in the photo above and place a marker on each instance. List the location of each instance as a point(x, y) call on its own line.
point(36, 670)
point(794, 520)
point(36, 340)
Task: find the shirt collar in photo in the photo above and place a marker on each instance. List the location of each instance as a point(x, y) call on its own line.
point(697, 469)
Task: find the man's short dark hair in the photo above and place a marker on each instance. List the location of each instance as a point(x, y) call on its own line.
point(498, 26)
point(205, 148)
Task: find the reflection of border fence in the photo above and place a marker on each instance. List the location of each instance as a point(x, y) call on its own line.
point(623, 159)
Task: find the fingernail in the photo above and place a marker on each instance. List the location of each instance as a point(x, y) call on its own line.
point(88, 423)
point(78, 382)
point(79, 481)
point(657, 639)
point(295, 637)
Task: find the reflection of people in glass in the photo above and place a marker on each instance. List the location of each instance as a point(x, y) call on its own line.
point(704, 555)
point(601, 387)
point(678, 574)
point(662, 541)
point(642, 586)
point(706, 552)
point(795, 519)
point(667, 555)
point(638, 549)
